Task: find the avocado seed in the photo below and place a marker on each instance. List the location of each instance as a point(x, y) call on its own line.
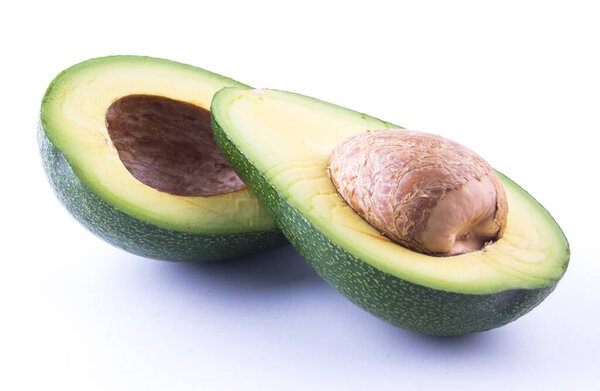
point(423, 191)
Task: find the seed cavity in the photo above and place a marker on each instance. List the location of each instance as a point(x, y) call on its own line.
point(168, 145)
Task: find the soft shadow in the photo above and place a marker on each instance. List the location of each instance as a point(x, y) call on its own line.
point(478, 344)
point(453, 341)
point(264, 270)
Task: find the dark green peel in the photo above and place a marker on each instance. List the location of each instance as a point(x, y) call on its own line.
point(135, 235)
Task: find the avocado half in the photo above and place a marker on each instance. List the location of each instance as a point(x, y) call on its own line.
point(279, 143)
point(170, 219)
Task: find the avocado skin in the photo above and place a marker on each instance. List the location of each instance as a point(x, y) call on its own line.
point(135, 235)
point(397, 301)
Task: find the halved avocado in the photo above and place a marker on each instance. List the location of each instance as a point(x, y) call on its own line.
point(127, 146)
point(279, 143)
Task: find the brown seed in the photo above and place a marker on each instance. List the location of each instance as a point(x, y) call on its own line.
point(423, 191)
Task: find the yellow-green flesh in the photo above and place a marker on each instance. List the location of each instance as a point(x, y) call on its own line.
point(289, 138)
point(74, 120)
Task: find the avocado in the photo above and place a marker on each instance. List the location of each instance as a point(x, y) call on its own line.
point(279, 143)
point(127, 146)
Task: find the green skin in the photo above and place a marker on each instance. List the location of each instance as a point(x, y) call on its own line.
point(135, 235)
point(397, 301)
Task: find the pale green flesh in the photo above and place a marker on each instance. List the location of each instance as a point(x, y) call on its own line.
point(289, 138)
point(73, 118)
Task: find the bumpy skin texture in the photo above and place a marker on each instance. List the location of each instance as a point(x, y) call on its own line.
point(394, 178)
point(135, 235)
point(397, 301)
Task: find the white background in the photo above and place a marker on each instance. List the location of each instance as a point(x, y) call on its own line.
point(517, 81)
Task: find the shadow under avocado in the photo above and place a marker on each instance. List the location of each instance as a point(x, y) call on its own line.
point(265, 270)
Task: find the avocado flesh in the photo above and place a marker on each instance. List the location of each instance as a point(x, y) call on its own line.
point(279, 143)
point(87, 173)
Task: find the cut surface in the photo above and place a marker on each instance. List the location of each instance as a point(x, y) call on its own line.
point(288, 139)
point(169, 146)
point(73, 117)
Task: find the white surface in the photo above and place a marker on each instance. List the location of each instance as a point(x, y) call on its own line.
point(518, 82)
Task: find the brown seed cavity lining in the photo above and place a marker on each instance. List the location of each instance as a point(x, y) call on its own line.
point(168, 145)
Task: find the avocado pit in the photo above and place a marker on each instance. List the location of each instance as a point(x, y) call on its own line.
point(425, 192)
point(168, 145)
